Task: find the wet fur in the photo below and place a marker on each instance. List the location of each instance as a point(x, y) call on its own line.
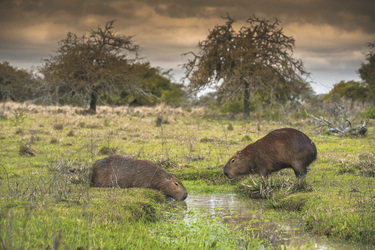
point(281, 148)
point(124, 172)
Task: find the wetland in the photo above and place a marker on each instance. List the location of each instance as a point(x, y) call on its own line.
point(46, 154)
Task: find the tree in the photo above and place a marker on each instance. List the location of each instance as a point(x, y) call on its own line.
point(153, 81)
point(91, 64)
point(367, 72)
point(17, 84)
point(257, 58)
point(352, 90)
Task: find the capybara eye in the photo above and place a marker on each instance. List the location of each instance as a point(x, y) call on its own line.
point(176, 184)
point(233, 160)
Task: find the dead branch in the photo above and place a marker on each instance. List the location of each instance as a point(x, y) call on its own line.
point(343, 127)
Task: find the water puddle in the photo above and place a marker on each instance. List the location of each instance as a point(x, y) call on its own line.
point(246, 214)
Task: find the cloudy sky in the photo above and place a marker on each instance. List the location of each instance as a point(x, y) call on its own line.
point(331, 35)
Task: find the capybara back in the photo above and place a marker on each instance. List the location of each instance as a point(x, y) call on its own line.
point(281, 148)
point(124, 172)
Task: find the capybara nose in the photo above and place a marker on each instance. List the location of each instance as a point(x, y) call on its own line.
point(226, 172)
point(185, 196)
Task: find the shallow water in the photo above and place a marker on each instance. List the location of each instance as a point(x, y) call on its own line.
point(245, 214)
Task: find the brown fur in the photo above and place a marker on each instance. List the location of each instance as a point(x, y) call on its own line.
point(124, 172)
point(281, 148)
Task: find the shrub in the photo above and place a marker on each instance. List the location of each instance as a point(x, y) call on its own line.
point(370, 112)
point(233, 107)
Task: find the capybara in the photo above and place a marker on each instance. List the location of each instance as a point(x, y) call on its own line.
point(124, 172)
point(281, 148)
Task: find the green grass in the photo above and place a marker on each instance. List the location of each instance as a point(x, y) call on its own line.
point(45, 200)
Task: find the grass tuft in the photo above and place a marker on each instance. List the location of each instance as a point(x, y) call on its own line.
point(105, 150)
point(364, 165)
point(26, 149)
point(274, 187)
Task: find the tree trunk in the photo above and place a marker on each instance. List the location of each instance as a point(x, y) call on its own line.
point(246, 100)
point(93, 99)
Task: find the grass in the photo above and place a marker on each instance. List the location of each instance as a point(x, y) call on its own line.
point(45, 199)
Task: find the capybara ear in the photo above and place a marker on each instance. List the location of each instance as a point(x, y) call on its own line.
point(169, 176)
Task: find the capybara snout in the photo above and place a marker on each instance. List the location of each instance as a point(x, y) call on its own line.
point(281, 148)
point(124, 172)
point(175, 188)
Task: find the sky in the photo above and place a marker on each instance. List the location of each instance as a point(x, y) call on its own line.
point(331, 36)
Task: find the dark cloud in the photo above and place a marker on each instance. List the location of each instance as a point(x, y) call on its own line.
point(331, 35)
point(49, 8)
point(341, 13)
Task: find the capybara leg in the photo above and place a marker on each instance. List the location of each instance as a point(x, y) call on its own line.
point(299, 169)
point(264, 173)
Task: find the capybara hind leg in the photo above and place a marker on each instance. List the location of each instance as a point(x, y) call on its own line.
point(299, 169)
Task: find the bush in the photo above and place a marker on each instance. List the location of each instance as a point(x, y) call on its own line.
point(233, 107)
point(370, 112)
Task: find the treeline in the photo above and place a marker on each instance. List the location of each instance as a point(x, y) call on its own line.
point(20, 85)
point(245, 77)
point(155, 86)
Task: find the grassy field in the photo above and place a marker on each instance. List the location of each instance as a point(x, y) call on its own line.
point(46, 154)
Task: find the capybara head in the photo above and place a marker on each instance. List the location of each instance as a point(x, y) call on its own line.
point(172, 187)
point(237, 166)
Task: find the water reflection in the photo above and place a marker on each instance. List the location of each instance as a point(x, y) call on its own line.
point(246, 215)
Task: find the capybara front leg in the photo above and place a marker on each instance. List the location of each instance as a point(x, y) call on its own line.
point(299, 170)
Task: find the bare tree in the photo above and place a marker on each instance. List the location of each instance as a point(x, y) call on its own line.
point(257, 57)
point(87, 65)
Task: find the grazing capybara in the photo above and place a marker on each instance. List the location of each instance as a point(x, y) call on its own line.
point(124, 172)
point(281, 148)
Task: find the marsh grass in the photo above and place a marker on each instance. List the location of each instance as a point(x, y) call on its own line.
point(59, 208)
point(274, 187)
point(46, 201)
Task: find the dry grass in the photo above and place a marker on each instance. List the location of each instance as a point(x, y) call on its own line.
point(8, 108)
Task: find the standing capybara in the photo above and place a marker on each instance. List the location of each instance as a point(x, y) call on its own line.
point(281, 148)
point(124, 172)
